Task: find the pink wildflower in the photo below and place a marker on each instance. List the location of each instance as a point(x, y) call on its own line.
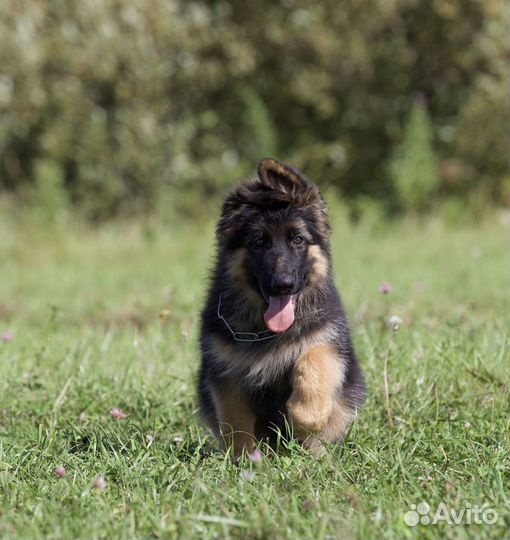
point(100, 483)
point(256, 456)
point(7, 337)
point(118, 414)
point(385, 288)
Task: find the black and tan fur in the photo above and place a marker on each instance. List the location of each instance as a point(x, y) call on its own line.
point(307, 377)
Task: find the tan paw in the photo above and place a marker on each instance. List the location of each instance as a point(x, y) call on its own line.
point(309, 417)
point(315, 445)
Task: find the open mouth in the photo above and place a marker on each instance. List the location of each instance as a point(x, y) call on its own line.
point(280, 313)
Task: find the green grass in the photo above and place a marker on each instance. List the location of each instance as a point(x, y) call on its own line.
point(83, 305)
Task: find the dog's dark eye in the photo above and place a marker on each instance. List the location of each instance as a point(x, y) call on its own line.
point(258, 242)
point(297, 240)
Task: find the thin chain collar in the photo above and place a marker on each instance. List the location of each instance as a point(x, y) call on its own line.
point(244, 336)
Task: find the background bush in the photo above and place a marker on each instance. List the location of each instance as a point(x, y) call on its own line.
point(145, 105)
point(414, 167)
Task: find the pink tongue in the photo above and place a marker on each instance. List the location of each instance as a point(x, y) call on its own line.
point(280, 313)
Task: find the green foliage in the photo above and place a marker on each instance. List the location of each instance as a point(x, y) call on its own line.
point(83, 307)
point(48, 198)
point(414, 166)
point(262, 134)
point(137, 98)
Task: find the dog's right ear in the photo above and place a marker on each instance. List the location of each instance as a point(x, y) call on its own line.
point(280, 177)
point(233, 216)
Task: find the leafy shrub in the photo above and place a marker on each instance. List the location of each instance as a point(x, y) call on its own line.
point(140, 98)
point(414, 166)
point(48, 197)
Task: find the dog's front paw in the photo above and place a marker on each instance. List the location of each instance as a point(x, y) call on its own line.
point(309, 416)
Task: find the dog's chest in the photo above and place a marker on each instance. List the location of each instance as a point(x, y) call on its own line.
point(264, 364)
point(256, 365)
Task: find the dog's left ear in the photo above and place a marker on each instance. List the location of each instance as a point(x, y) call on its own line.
point(279, 177)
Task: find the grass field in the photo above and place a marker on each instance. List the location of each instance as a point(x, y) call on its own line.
point(82, 335)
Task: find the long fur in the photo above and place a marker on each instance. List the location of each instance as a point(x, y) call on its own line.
point(260, 376)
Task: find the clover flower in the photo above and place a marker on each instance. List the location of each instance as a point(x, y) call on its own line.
point(256, 456)
point(249, 476)
point(118, 414)
point(395, 322)
point(385, 288)
point(100, 483)
point(7, 337)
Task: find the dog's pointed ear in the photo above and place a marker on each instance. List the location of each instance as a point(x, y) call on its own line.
point(279, 177)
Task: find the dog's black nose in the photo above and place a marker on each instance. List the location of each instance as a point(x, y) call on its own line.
point(282, 283)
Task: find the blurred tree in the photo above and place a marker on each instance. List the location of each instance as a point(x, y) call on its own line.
point(414, 166)
point(138, 98)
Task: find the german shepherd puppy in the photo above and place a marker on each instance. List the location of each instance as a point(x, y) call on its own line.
point(276, 346)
